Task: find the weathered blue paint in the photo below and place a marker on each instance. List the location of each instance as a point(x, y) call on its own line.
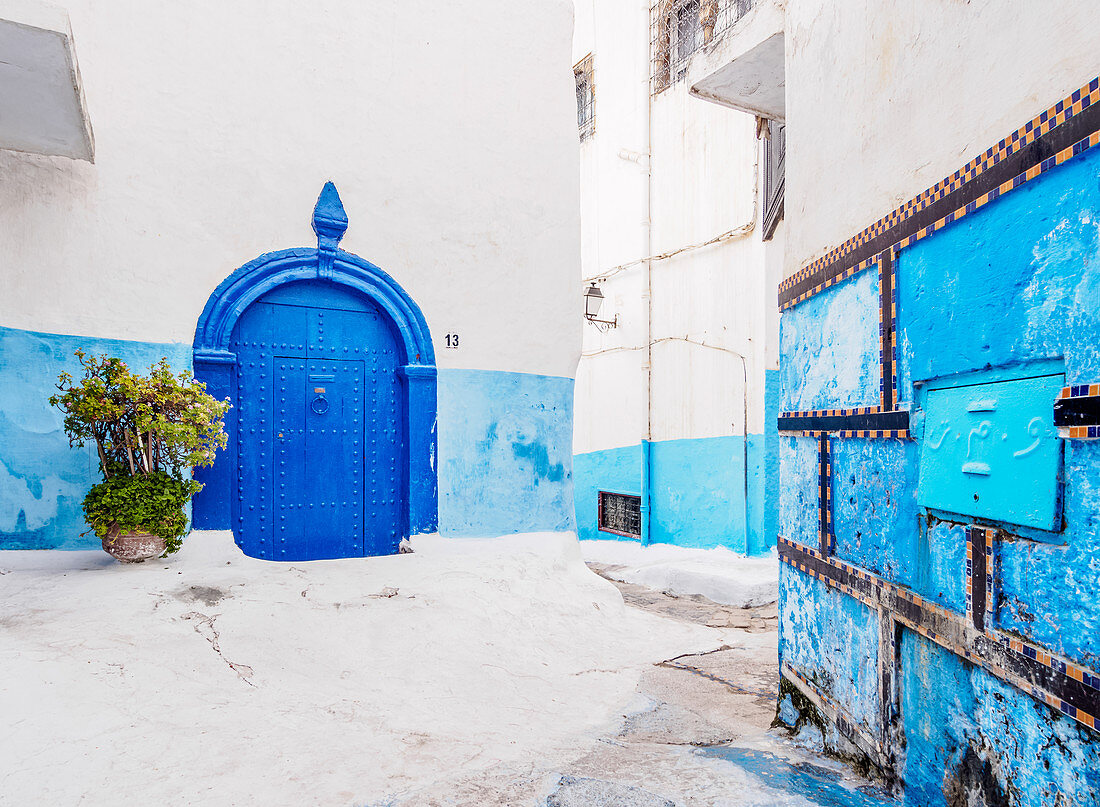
point(696, 492)
point(798, 500)
point(832, 639)
point(959, 720)
point(990, 449)
point(1013, 282)
point(505, 442)
point(42, 480)
point(764, 470)
point(1009, 292)
point(217, 363)
point(874, 506)
point(941, 561)
point(812, 785)
point(1030, 268)
point(1051, 594)
point(830, 348)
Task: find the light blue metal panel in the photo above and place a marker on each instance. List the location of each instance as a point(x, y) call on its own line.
point(990, 450)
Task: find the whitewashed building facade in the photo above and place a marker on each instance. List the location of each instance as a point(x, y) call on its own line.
point(682, 234)
point(159, 168)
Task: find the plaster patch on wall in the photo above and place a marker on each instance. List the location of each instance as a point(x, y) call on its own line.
point(1048, 301)
point(830, 348)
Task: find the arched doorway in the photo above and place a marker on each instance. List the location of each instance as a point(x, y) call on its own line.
point(331, 373)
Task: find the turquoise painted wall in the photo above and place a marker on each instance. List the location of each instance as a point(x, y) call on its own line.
point(505, 447)
point(42, 479)
point(615, 470)
point(505, 441)
point(1010, 285)
point(697, 495)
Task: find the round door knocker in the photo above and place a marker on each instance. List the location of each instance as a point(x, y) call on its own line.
point(319, 405)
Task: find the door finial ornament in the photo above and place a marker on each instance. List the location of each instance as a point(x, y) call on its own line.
point(330, 222)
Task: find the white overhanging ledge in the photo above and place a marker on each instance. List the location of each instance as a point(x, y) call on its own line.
point(752, 81)
point(42, 109)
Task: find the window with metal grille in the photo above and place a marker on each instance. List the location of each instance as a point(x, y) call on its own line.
point(620, 514)
point(586, 97)
point(775, 153)
point(677, 32)
point(729, 12)
point(687, 30)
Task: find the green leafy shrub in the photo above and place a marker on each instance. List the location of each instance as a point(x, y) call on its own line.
point(149, 432)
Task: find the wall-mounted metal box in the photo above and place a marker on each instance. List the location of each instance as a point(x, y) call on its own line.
point(990, 449)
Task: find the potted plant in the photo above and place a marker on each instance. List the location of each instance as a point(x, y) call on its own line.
point(149, 432)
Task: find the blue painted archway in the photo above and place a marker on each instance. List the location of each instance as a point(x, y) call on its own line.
point(224, 501)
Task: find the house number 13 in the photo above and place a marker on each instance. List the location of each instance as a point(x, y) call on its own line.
point(452, 340)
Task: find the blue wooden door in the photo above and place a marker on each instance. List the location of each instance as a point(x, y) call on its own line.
point(321, 444)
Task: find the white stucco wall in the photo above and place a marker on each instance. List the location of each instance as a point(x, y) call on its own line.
point(448, 129)
point(973, 72)
point(703, 166)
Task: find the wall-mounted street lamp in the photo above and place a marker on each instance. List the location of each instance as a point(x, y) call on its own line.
point(593, 299)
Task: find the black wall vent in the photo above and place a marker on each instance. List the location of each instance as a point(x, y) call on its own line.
point(620, 514)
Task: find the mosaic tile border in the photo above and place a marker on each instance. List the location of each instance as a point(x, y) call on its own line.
point(869, 434)
point(887, 330)
point(826, 539)
point(1079, 391)
point(1077, 412)
point(832, 413)
point(828, 283)
point(979, 566)
point(1061, 132)
point(865, 421)
point(1072, 689)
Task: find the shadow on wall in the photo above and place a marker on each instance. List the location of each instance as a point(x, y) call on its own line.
point(42, 479)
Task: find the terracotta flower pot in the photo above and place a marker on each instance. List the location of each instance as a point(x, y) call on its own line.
point(133, 547)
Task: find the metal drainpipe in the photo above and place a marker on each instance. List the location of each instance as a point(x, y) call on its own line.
point(647, 296)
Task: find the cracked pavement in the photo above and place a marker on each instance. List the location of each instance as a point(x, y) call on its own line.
point(470, 672)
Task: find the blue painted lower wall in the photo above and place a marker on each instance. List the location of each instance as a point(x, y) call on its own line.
point(505, 447)
point(697, 495)
point(42, 479)
point(504, 465)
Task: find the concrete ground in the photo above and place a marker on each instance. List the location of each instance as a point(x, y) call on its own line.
point(471, 672)
point(697, 733)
